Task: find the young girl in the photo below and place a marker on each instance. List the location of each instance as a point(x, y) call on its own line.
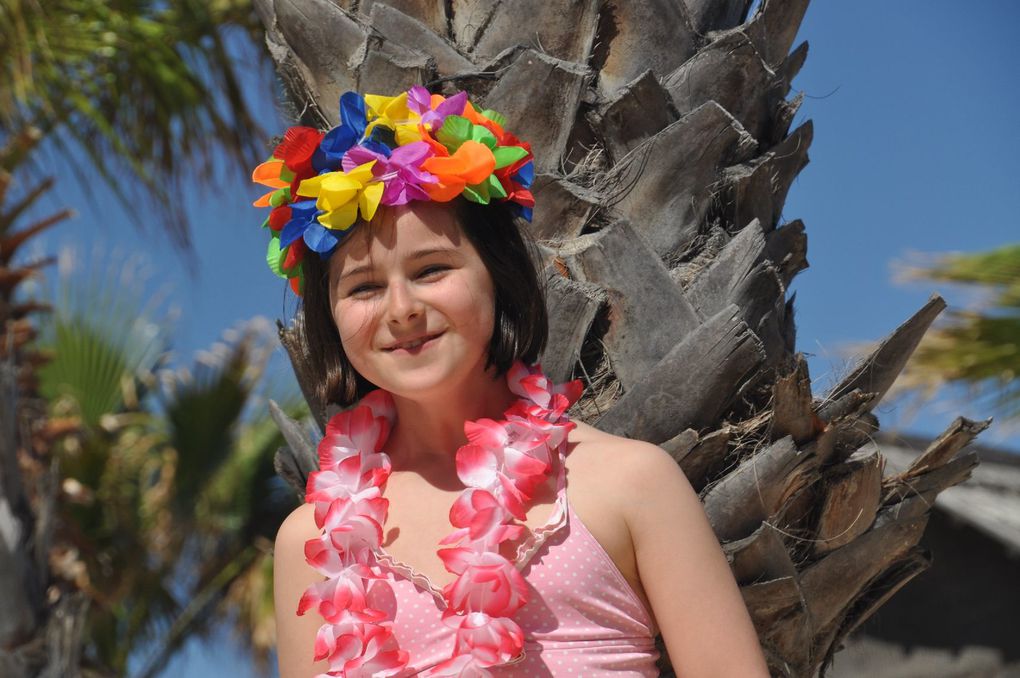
point(438, 538)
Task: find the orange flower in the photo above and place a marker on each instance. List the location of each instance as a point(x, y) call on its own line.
point(471, 164)
point(269, 174)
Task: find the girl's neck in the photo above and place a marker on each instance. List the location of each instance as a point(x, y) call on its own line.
point(429, 430)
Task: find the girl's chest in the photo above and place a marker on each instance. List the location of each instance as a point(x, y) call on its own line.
point(419, 517)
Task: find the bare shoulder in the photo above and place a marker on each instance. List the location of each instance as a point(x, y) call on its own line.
point(295, 636)
point(636, 485)
point(676, 556)
point(607, 445)
point(297, 528)
point(292, 574)
point(628, 464)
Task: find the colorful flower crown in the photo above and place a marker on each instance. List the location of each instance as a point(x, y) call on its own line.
point(385, 151)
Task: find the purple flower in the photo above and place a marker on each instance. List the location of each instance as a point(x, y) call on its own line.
point(399, 172)
point(420, 101)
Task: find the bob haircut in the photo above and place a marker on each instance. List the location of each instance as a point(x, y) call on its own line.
point(520, 326)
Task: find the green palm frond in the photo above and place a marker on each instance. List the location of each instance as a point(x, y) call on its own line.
point(204, 409)
point(195, 619)
point(226, 493)
point(1000, 266)
point(105, 340)
point(976, 348)
point(119, 524)
point(145, 91)
point(250, 602)
point(182, 497)
point(242, 496)
point(176, 499)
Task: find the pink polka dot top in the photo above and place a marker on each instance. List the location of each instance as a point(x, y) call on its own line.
point(582, 617)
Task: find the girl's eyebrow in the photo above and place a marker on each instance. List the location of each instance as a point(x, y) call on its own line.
point(357, 270)
point(419, 254)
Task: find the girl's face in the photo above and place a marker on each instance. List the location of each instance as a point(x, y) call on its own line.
point(412, 301)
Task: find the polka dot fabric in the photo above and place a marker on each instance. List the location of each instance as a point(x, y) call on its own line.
point(582, 617)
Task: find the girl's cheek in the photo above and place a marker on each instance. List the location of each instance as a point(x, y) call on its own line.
point(353, 322)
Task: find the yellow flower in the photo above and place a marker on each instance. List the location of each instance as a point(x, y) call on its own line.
point(342, 194)
point(393, 112)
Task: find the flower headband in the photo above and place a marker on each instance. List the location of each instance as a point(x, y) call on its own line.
point(385, 151)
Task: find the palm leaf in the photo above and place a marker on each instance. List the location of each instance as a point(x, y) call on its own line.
point(204, 408)
point(103, 339)
point(146, 91)
point(226, 492)
point(976, 348)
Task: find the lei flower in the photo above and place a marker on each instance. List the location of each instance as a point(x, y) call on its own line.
point(387, 150)
point(502, 464)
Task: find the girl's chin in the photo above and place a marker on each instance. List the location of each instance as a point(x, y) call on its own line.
point(415, 379)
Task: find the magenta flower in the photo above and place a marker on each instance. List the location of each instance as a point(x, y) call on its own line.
point(354, 525)
point(496, 470)
point(332, 597)
point(420, 101)
point(509, 460)
point(363, 428)
point(400, 172)
point(329, 562)
point(479, 517)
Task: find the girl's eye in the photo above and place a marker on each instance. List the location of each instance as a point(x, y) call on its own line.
point(366, 289)
point(431, 270)
point(362, 290)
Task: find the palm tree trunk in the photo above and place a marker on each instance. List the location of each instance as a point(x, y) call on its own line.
point(18, 588)
point(664, 155)
point(40, 620)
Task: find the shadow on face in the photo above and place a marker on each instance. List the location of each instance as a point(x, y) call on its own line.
point(393, 230)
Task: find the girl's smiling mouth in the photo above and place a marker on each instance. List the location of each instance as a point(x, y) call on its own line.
point(413, 345)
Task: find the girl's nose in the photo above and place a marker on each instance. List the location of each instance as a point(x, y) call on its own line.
point(404, 304)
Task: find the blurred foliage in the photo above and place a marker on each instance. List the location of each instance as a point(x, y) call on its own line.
point(167, 496)
point(94, 357)
point(145, 90)
point(978, 348)
point(170, 496)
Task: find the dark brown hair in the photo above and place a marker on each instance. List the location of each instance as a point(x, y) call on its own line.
point(521, 325)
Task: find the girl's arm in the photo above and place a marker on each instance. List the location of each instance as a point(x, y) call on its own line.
point(696, 601)
point(295, 636)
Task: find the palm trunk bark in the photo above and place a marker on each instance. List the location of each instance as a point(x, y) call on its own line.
point(664, 155)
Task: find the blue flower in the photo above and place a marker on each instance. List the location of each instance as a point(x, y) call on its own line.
point(302, 215)
point(353, 121)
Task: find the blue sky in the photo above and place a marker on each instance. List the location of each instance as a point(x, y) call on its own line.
point(914, 105)
point(914, 108)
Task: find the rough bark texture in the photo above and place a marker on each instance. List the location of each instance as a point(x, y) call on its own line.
point(663, 144)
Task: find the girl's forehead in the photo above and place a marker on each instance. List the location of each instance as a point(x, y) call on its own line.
point(399, 232)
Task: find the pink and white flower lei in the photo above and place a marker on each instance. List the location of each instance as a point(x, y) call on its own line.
point(502, 465)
